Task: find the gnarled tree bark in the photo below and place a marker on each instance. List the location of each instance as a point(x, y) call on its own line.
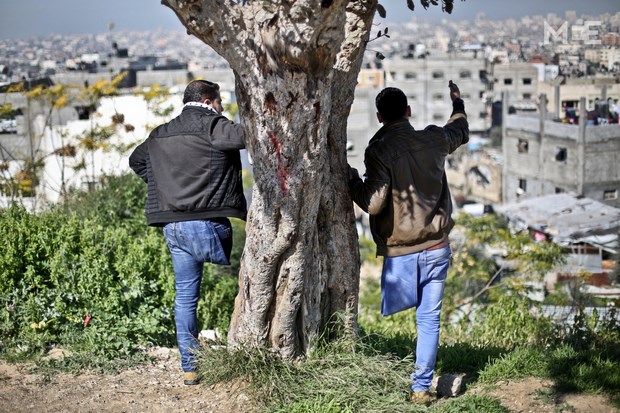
point(296, 65)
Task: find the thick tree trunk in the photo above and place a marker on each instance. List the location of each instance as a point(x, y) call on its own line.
point(296, 66)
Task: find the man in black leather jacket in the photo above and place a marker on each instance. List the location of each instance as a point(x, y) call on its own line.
point(192, 167)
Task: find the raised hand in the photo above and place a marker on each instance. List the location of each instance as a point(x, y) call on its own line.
point(455, 93)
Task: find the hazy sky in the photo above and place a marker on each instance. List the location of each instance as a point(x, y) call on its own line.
point(26, 18)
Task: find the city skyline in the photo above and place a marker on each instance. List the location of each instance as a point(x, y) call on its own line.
point(38, 18)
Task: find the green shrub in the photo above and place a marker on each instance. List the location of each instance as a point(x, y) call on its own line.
point(58, 268)
point(507, 323)
point(368, 250)
point(119, 201)
point(94, 256)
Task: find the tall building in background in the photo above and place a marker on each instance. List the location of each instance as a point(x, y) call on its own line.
point(425, 82)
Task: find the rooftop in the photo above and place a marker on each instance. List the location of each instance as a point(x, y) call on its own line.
point(568, 219)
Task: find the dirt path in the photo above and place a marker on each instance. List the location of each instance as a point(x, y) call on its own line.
point(157, 388)
point(533, 395)
point(153, 388)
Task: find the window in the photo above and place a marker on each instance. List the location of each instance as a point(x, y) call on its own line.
point(523, 146)
point(465, 96)
point(438, 97)
point(508, 81)
point(410, 75)
point(610, 194)
point(465, 74)
point(559, 190)
point(393, 75)
point(483, 115)
point(560, 154)
point(437, 116)
point(411, 98)
point(437, 75)
point(84, 112)
point(527, 81)
point(527, 96)
point(522, 185)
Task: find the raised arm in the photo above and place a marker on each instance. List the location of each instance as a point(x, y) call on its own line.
point(456, 130)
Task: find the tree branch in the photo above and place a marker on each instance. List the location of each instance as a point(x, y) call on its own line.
point(484, 289)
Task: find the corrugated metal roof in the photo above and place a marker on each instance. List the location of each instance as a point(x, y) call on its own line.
point(567, 218)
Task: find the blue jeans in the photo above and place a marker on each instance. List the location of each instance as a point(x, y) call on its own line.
point(191, 244)
point(428, 270)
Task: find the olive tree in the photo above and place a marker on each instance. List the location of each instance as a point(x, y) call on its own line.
point(295, 65)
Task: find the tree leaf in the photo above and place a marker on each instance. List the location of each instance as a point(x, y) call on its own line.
point(379, 56)
point(381, 11)
point(410, 5)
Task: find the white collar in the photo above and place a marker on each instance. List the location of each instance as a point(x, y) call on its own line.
point(202, 105)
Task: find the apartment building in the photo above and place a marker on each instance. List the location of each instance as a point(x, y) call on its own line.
point(543, 157)
point(425, 82)
point(570, 91)
point(519, 80)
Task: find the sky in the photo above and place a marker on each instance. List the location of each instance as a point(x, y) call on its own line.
point(29, 18)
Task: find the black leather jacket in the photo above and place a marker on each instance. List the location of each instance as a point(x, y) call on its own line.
point(192, 167)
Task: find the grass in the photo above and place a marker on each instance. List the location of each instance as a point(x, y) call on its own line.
point(342, 376)
point(371, 374)
point(469, 403)
point(518, 364)
point(80, 362)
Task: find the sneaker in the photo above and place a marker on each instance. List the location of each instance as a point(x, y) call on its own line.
point(190, 378)
point(422, 397)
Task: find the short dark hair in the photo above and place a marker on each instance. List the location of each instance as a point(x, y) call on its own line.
point(199, 90)
point(391, 104)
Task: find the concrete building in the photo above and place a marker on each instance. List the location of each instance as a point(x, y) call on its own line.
point(475, 176)
point(41, 133)
point(610, 58)
point(519, 80)
point(568, 92)
point(592, 55)
point(543, 157)
point(361, 125)
point(371, 78)
point(425, 82)
point(610, 39)
point(60, 170)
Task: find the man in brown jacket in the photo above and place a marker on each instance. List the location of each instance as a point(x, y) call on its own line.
point(407, 197)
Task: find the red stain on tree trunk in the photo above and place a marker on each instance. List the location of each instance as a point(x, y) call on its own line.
point(281, 172)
